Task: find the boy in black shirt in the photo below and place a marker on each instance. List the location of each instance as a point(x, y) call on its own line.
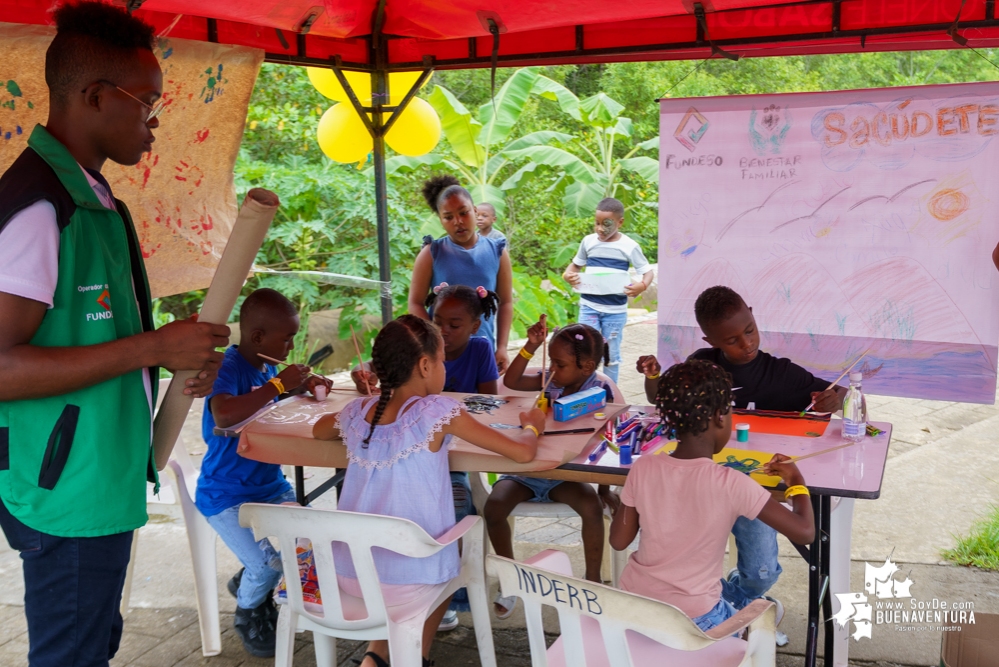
point(769, 382)
point(765, 382)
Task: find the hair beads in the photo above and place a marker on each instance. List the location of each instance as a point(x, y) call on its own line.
point(691, 393)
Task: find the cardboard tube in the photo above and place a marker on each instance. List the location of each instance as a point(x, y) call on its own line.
point(247, 235)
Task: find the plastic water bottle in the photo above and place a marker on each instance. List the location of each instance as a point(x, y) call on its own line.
point(855, 410)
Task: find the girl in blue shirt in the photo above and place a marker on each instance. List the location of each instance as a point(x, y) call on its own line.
point(463, 258)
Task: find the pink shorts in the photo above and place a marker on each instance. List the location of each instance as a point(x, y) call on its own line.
point(394, 594)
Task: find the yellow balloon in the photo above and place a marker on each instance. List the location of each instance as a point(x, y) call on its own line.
point(417, 130)
point(326, 83)
point(342, 135)
point(400, 83)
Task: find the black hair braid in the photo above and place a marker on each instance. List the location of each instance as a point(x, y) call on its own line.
point(439, 188)
point(587, 343)
point(691, 393)
point(397, 349)
point(383, 400)
point(487, 305)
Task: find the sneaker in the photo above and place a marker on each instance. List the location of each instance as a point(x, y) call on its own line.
point(257, 629)
point(449, 622)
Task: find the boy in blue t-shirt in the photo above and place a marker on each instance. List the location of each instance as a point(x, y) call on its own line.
point(608, 248)
point(268, 323)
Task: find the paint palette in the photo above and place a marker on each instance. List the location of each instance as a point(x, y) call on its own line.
point(811, 425)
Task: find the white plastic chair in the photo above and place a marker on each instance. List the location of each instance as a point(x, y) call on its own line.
point(369, 618)
point(178, 484)
point(605, 627)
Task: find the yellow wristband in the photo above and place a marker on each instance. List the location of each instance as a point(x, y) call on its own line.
point(527, 355)
point(530, 427)
point(277, 385)
point(798, 490)
point(653, 377)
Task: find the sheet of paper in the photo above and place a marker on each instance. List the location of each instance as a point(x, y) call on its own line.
point(603, 281)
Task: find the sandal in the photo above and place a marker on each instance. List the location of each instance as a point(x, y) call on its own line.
point(507, 603)
point(379, 661)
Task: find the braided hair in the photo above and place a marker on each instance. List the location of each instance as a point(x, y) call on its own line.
point(442, 187)
point(477, 305)
point(397, 349)
point(691, 393)
point(586, 343)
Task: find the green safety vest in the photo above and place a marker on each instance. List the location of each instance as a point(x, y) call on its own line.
point(76, 465)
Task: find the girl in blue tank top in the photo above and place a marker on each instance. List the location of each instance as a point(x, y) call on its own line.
point(463, 258)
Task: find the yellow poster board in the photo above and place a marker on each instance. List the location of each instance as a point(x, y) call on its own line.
point(741, 460)
point(181, 195)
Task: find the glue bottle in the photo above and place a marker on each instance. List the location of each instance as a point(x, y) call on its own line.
point(855, 410)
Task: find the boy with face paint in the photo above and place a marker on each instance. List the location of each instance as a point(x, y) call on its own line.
point(767, 382)
point(607, 247)
point(78, 354)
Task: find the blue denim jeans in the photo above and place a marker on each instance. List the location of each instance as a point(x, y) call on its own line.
point(72, 593)
point(611, 325)
point(758, 566)
point(720, 613)
point(261, 560)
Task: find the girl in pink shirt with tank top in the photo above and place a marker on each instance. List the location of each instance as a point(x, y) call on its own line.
point(686, 504)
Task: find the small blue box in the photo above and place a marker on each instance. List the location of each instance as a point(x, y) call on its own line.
point(579, 404)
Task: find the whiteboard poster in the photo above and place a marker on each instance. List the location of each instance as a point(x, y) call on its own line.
point(849, 221)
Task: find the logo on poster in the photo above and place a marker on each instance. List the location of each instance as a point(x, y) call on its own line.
point(691, 129)
point(769, 128)
point(913, 615)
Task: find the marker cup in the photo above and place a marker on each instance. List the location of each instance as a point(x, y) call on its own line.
point(625, 454)
point(742, 432)
point(320, 392)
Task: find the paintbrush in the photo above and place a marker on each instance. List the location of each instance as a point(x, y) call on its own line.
point(544, 356)
point(360, 361)
point(834, 382)
point(278, 362)
point(794, 459)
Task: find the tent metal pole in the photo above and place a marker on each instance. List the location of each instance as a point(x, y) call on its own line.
point(379, 99)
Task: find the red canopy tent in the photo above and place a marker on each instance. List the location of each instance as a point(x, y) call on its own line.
point(378, 36)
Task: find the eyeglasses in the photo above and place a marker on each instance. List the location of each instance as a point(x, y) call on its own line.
point(154, 110)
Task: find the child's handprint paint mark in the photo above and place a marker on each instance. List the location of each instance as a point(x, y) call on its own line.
point(214, 86)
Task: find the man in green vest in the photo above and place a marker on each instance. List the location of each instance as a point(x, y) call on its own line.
point(78, 354)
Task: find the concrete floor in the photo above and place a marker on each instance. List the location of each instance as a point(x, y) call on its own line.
point(942, 474)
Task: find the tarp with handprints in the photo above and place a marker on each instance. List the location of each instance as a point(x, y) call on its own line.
point(850, 221)
point(181, 195)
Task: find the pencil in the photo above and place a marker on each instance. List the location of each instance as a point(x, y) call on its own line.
point(570, 430)
point(278, 362)
point(360, 361)
point(833, 383)
point(544, 356)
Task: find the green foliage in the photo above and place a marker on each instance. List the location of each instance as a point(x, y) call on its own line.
point(327, 223)
point(980, 547)
point(532, 299)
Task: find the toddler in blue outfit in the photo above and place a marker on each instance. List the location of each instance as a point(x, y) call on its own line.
point(268, 323)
